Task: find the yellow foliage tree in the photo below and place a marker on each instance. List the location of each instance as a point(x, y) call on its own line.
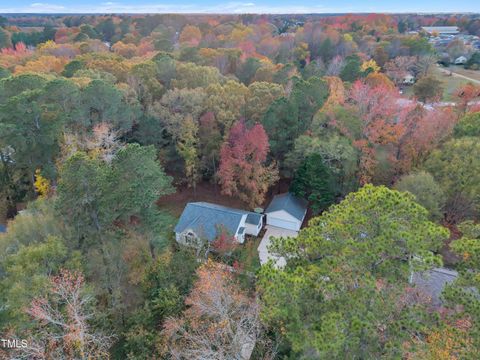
point(44, 64)
point(42, 185)
point(370, 65)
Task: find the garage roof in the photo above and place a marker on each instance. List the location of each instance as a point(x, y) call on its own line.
point(295, 206)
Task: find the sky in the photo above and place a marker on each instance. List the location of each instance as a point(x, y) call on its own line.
point(237, 7)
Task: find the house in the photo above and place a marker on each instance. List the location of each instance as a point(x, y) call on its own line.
point(461, 60)
point(432, 282)
point(286, 211)
point(205, 221)
point(409, 79)
point(441, 30)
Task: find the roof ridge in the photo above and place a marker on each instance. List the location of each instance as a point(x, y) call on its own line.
point(216, 207)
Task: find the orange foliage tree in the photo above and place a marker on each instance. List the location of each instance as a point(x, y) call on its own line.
point(243, 171)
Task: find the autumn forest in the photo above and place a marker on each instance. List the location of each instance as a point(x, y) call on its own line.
point(111, 124)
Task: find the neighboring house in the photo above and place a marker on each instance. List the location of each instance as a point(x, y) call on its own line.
point(461, 60)
point(286, 211)
point(432, 282)
point(409, 79)
point(441, 30)
point(205, 221)
point(3, 228)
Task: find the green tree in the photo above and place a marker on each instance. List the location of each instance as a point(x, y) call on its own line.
point(287, 118)
point(462, 294)
point(72, 67)
point(456, 167)
point(26, 274)
point(247, 70)
point(191, 76)
point(351, 71)
point(474, 61)
point(227, 102)
point(166, 68)
point(469, 125)
point(166, 283)
point(30, 128)
point(4, 73)
point(259, 98)
point(337, 154)
point(428, 89)
point(93, 195)
point(15, 85)
point(313, 181)
point(103, 102)
point(5, 39)
point(338, 295)
point(426, 190)
point(144, 80)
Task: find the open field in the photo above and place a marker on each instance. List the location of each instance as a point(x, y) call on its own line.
point(452, 78)
point(474, 75)
point(450, 83)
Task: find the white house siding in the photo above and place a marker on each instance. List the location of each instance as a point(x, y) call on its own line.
point(252, 229)
point(238, 237)
point(283, 220)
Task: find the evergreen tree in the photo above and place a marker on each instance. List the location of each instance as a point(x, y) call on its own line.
point(313, 181)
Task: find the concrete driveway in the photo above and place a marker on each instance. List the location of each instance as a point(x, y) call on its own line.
point(273, 231)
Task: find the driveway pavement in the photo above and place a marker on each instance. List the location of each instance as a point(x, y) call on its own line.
point(273, 231)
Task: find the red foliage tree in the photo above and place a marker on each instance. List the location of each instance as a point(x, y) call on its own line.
point(224, 244)
point(467, 96)
point(424, 131)
point(383, 116)
point(243, 170)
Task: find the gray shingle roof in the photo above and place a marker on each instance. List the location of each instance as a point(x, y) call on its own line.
point(207, 219)
point(432, 282)
point(295, 206)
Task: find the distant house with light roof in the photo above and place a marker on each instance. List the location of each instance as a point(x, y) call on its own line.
point(461, 60)
point(441, 30)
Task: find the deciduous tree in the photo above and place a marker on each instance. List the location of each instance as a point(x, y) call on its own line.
point(243, 171)
point(220, 323)
point(64, 319)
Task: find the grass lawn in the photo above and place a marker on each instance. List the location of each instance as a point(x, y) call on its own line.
point(473, 74)
point(449, 83)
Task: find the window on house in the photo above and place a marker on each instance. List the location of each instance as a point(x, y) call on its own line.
point(190, 238)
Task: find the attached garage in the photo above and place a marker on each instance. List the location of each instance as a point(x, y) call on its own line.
point(286, 211)
point(282, 220)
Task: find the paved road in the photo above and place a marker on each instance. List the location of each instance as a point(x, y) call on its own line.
point(448, 72)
